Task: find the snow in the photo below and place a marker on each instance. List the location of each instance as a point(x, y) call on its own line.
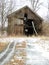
point(37, 55)
point(36, 49)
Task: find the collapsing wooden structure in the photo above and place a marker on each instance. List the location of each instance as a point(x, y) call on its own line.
point(20, 22)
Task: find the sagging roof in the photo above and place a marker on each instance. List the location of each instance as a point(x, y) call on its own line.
point(15, 12)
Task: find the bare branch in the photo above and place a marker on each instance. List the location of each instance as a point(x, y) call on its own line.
point(36, 4)
point(5, 7)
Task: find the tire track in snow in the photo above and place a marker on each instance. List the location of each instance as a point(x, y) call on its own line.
point(8, 54)
point(3, 53)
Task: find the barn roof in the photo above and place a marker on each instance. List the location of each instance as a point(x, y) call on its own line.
point(15, 12)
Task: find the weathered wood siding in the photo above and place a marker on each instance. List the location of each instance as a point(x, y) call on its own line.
point(15, 26)
point(18, 29)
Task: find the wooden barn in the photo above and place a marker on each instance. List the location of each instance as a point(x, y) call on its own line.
point(17, 24)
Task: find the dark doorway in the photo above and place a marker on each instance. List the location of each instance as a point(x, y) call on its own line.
point(28, 27)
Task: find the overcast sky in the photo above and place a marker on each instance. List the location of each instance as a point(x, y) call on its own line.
point(43, 10)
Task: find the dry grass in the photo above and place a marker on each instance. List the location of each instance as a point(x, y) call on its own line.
point(15, 61)
point(18, 59)
point(3, 45)
point(45, 28)
point(22, 45)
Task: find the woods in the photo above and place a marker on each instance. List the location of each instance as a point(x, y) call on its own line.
point(6, 7)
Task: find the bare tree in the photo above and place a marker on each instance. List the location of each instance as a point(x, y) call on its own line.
point(48, 10)
point(6, 7)
point(36, 4)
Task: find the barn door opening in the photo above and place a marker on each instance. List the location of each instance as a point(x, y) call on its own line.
point(29, 27)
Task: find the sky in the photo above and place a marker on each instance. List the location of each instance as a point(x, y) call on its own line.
point(42, 11)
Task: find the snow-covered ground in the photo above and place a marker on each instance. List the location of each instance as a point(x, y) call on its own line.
point(37, 50)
